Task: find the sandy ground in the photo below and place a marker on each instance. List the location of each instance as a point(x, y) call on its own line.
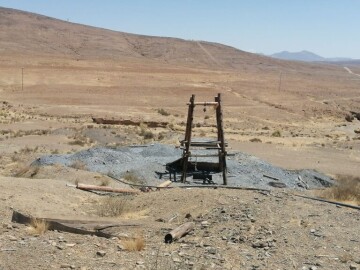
point(71, 74)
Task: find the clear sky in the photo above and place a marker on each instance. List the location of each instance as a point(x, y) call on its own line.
point(330, 28)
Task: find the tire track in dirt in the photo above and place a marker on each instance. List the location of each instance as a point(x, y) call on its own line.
point(207, 53)
point(258, 101)
point(350, 71)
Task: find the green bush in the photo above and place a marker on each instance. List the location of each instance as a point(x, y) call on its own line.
point(276, 133)
point(163, 112)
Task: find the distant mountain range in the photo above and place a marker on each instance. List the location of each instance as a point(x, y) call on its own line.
point(307, 56)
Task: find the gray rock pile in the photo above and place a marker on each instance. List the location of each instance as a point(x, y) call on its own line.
point(145, 161)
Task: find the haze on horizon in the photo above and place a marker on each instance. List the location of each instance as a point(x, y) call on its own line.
point(327, 28)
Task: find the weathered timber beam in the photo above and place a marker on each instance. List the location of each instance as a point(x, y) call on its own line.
point(327, 201)
point(106, 189)
point(164, 184)
point(150, 124)
point(53, 225)
point(179, 232)
point(211, 103)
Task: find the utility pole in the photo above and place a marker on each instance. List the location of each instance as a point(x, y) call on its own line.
point(280, 81)
point(22, 79)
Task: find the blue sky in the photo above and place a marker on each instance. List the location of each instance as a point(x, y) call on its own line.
point(330, 28)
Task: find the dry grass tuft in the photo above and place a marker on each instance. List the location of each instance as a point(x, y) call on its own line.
point(112, 206)
point(163, 112)
point(133, 244)
point(104, 182)
point(256, 140)
point(27, 171)
point(78, 165)
point(131, 177)
point(145, 132)
point(38, 226)
point(347, 190)
point(276, 133)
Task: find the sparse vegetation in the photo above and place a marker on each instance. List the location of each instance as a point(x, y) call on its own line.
point(77, 142)
point(133, 244)
point(55, 151)
point(79, 139)
point(163, 112)
point(38, 226)
point(27, 171)
point(112, 206)
point(161, 136)
point(104, 181)
point(170, 126)
point(276, 133)
point(255, 140)
point(347, 190)
point(132, 177)
point(78, 165)
point(147, 134)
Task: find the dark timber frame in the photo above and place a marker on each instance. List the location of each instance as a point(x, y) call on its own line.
point(219, 144)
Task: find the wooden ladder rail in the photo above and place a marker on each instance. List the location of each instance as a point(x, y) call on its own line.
point(220, 136)
point(187, 140)
point(220, 129)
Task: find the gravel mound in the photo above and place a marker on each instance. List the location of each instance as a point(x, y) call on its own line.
point(146, 160)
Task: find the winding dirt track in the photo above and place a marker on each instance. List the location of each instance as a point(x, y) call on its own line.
point(350, 71)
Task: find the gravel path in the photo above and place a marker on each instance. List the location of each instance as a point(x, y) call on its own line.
point(144, 161)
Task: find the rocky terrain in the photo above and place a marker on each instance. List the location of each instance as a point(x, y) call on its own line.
point(234, 230)
point(295, 122)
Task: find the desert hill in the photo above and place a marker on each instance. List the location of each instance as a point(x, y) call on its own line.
point(28, 33)
point(60, 70)
point(36, 34)
point(55, 76)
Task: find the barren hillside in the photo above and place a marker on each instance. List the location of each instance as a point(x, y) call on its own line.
point(56, 76)
point(60, 69)
point(32, 34)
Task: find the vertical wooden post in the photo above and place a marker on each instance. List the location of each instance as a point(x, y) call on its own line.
point(22, 79)
point(280, 77)
point(188, 138)
point(220, 127)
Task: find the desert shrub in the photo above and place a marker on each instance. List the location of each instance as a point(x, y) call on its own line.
point(170, 126)
point(15, 158)
point(276, 133)
point(133, 244)
point(55, 151)
point(26, 150)
point(78, 139)
point(78, 165)
point(161, 136)
point(255, 140)
point(147, 134)
point(112, 206)
point(104, 182)
point(38, 226)
point(163, 112)
point(77, 142)
point(130, 176)
point(347, 189)
point(27, 171)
